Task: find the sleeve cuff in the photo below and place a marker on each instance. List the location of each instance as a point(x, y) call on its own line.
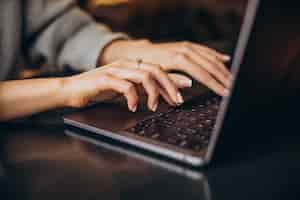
point(81, 52)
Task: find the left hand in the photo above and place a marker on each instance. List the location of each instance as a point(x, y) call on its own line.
point(200, 62)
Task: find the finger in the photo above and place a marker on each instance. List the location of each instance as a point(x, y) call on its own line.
point(186, 65)
point(212, 52)
point(108, 82)
point(166, 83)
point(181, 81)
point(166, 97)
point(208, 66)
point(214, 60)
point(140, 77)
point(163, 79)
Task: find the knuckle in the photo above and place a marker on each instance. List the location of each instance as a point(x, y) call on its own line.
point(199, 45)
point(214, 52)
point(185, 49)
point(129, 88)
point(185, 46)
point(146, 76)
point(157, 69)
point(211, 57)
point(215, 58)
point(186, 43)
point(180, 57)
point(161, 73)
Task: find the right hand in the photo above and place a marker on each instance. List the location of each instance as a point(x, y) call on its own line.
point(123, 77)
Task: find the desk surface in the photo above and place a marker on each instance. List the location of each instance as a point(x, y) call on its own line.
point(45, 163)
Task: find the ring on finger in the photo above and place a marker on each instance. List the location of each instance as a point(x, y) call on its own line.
point(139, 63)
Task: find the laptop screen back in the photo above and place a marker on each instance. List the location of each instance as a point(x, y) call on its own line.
point(265, 68)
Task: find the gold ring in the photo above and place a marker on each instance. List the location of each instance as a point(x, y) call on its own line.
point(139, 63)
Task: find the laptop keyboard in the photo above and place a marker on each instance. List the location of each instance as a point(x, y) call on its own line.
point(188, 126)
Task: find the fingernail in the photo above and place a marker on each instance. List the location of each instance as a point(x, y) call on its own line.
point(189, 83)
point(154, 108)
point(134, 108)
point(179, 98)
point(226, 57)
point(186, 83)
point(226, 92)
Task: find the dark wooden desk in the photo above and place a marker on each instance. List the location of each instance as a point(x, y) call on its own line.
point(45, 163)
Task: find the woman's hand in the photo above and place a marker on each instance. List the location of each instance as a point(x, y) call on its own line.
point(19, 99)
point(123, 77)
point(202, 63)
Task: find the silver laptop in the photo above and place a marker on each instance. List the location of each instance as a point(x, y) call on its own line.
point(189, 133)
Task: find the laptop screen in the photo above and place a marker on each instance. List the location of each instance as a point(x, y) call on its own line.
point(265, 67)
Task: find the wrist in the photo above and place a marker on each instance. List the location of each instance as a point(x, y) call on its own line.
point(111, 52)
point(120, 49)
point(67, 91)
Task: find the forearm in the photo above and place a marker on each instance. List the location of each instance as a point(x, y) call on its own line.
point(26, 97)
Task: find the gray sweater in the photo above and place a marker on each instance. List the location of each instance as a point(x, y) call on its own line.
point(56, 31)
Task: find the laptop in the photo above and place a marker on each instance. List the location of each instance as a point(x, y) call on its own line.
point(191, 132)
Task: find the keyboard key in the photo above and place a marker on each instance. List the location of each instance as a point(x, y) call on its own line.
point(188, 126)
